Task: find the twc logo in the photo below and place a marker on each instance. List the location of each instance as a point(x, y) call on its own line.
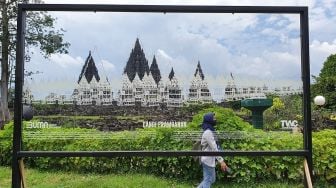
point(289, 124)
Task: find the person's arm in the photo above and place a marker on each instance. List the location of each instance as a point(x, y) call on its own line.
point(210, 139)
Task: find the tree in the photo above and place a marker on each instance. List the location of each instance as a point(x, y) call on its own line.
point(325, 83)
point(40, 32)
point(272, 115)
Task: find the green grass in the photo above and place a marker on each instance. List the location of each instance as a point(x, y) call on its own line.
point(44, 179)
point(52, 179)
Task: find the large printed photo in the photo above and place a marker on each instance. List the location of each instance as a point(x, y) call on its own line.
point(145, 81)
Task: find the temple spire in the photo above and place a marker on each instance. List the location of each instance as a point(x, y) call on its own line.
point(199, 70)
point(171, 74)
point(89, 70)
point(137, 62)
point(155, 71)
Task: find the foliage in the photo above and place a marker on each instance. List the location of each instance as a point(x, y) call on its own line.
point(244, 169)
point(244, 112)
point(272, 114)
point(323, 119)
point(40, 32)
point(324, 150)
point(278, 105)
point(325, 83)
point(235, 105)
point(226, 120)
point(195, 107)
point(284, 108)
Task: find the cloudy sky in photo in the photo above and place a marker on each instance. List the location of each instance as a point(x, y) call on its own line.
point(256, 48)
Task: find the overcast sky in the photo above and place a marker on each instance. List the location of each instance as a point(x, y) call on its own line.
point(256, 48)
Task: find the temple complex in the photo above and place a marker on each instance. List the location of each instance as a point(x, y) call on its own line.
point(143, 85)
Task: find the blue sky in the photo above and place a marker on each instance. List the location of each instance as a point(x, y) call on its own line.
point(256, 48)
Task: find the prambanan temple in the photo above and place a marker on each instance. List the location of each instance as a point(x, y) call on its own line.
point(143, 84)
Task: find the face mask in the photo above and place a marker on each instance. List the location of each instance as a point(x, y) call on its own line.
point(214, 122)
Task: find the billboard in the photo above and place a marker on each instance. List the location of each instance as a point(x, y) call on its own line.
point(144, 81)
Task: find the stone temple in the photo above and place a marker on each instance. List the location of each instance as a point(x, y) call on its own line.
point(234, 93)
point(91, 90)
point(199, 91)
point(173, 91)
point(143, 85)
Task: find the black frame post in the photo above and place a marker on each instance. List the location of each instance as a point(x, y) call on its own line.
point(19, 79)
point(305, 68)
point(18, 152)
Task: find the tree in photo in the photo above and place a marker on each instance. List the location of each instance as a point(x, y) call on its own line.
point(40, 33)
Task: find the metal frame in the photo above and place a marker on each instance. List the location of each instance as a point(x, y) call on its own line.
point(18, 151)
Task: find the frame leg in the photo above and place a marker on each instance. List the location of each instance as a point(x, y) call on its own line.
point(308, 180)
point(22, 173)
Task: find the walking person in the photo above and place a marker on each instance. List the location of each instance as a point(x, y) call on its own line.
point(208, 143)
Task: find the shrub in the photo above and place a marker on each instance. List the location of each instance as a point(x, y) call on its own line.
point(184, 168)
point(288, 107)
point(226, 120)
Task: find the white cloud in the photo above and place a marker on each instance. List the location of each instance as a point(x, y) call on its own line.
point(163, 55)
point(269, 66)
point(324, 47)
point(165, 62)
point(60, 73)
point(269, 50)
point(322, 19)
point(319, 52)
point(107, 65)
point(66, 61)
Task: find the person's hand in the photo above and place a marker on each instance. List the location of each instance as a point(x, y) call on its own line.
point(223, 166)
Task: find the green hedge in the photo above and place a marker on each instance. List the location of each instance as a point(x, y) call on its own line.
point(244, 168)
point(226, 120)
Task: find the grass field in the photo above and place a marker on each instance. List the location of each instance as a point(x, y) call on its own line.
point(44, 179)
